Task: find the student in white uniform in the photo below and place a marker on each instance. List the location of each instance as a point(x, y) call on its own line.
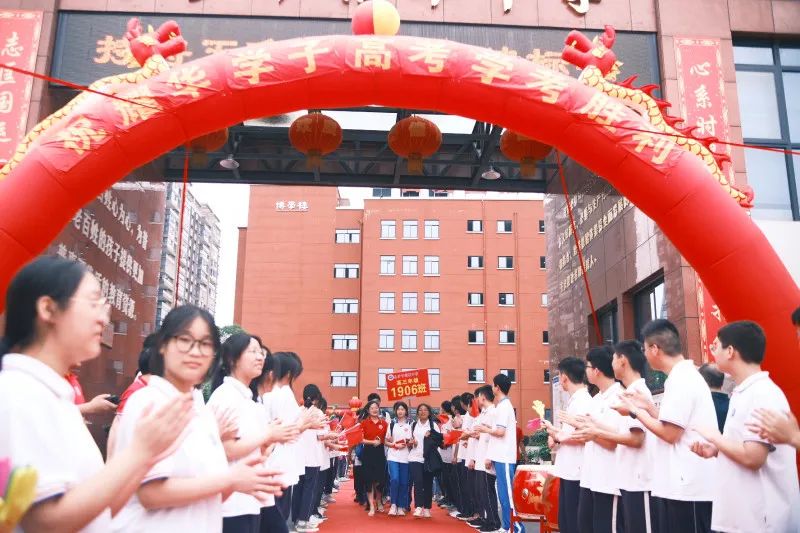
point(55, 315)
point(634, 444)
point(457, 422)
point(502, 449)
point(568, 448)
point(303, 502)
point(185, 490)
point(485, 478)
point(397, 440)
point(448, 487)
point(599, 510)
point(683, 481)
point(241, 360)
point(756, 482)
point(467, 509)
point(423, 427)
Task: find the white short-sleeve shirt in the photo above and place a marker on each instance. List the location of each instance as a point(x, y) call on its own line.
point(400, 431)
point(41, 426)
point(686, 403)
point(250, 420)
point(504, 449)
point(482, 447)
point(569, 457)
point(599, 472)
point(283, 405)
point(447, 453)
point(199, 454)
point(765, 500)
point(466, 424)
point(415, 455)
point(635, 465)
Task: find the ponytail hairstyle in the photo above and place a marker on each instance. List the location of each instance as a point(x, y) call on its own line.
point(447, 407)
point(47, 276)
point(147, 353)
point(287, 364)
point(227, 357)
point(458, 407)
point(175, 323)
point(311, 394)
point(322, 404)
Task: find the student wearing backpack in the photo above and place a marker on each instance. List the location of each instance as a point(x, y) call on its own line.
point(422, 459)
point(397, 440)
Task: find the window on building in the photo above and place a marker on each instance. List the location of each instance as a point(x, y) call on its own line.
point(511, 373)
point(432, 341)
point(607, 317)
point(382, 372)
point(474, 226)
point(474, 298)
point(346, 236)
point(434, 378)
point(431, 265)
point(409, 340)
point(475, 336)
point(410, 193)
point(438, 193)
point(547, 375)
point(409, 229)
point(345, 305)
point(344, 342)
point(381, 192)
point(503, 226)
point(387, 229)
point(385, 339)
point(506, 298)
point(649, 303)
point(387, 302)
point(505, 262)
point(544, 299)
point(768, 83)
point(475, 261)
point(541, 226)
point(431, 302)
point(545, 337)
point(507, 336)
point(344, 379)
point(476, 375)
point(342, 270)
point(542, 262)
point(387, 265)
point(409, 302)
point(409, 265)
point(431, 229)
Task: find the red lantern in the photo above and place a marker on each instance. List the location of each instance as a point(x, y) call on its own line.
point(354, 403)
point(415, 138)
point(376, 17)
point(517, 147)
point(201, 146)
point(315, 135)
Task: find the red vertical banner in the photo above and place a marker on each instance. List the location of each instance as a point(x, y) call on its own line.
point(702, 97)
point(19, 44)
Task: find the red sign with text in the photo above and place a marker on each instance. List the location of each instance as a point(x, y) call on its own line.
point(408, 383)
point(702, 95)
point(19, 43)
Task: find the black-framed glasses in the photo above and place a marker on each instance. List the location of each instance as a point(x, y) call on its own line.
point(185, 343)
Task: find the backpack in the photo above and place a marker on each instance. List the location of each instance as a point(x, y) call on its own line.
point(431, 460)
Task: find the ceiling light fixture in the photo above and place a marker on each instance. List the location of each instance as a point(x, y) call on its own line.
point(229, 162)
point(491, 174)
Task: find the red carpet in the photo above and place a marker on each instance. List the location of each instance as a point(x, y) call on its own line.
point(345, 516)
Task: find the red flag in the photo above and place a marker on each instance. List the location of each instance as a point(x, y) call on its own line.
point(534, 424)
point(348, 420)
point(333, 424)
point(354, 435)
point(443, 419)
point(474, 409)
point(451, 437)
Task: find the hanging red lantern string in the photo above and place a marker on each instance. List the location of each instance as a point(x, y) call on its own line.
point(315, 135)
point(524, 150)
point(415, 138)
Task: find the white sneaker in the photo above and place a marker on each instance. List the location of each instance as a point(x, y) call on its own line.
point(335, 490)
point(305, 527)
point(426, 513)
point(401, 512)
point(418, 512)
point(393, 510)
point(454, 513)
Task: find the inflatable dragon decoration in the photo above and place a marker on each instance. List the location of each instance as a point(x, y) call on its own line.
point(149, 49)
point(599, 70)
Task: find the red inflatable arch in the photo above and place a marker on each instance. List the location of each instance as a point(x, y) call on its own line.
point(102, 140)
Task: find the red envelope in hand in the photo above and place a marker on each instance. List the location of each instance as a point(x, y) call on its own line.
point(534, 424)
point(399, 442)
point(443, 419)
point(354, 435)
point(451, 437)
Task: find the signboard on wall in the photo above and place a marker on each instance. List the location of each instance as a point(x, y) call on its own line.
point(410, 383)
point(702, 97)
point(90, 46)
point(19, 45)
